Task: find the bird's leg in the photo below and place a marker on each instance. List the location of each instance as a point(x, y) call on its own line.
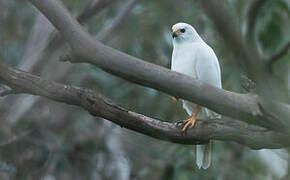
point(174, 98)
point(191, 120)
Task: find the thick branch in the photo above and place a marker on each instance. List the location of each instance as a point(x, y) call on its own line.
point(225, 129)
point(267, 87)
point(230, 31)
point(56, 40)
point(239, 106)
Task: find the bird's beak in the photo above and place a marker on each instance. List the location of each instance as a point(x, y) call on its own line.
point(175, 33)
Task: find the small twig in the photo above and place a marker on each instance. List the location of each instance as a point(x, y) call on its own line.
point(273, 119)
point(275, 57)
point(252, 16)
point(117, 21)
point(92, 9)
point(251, 21)
point(5, 90)
point(16, 138)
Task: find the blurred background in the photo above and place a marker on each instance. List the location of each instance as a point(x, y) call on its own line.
point(42, 139)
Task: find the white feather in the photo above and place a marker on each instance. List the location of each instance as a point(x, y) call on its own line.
point(193, 57)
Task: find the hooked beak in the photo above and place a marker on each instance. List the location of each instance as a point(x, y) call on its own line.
point(175, 33)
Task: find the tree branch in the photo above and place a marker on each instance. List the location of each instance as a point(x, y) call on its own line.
point(60, 73)
point(4, 91)
point(252, 16)
point(93, 9)
point(244, 107)
point(225, 129)
point(124, 12)
point(275, 57)
point(247, 56)
point(268, 89)
point(56, 40)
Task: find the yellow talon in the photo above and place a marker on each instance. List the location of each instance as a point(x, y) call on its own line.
point(190, 121)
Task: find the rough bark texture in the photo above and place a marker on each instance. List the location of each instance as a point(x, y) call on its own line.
point(249, 108)
point(244, 107)
point(220, 129)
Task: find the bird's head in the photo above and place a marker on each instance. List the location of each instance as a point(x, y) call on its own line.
point(182, 32)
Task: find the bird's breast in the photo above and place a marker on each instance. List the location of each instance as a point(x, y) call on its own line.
point(183, 61)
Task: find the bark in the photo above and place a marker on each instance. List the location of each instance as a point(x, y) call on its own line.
point(225, 129)
point(245, 107)
point(278, 55)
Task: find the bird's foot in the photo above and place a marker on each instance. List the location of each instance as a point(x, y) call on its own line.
point(189, 122)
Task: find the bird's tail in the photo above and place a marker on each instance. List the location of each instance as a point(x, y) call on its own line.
point(203, 155)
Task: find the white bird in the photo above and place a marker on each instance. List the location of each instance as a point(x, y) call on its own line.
point(193, 57)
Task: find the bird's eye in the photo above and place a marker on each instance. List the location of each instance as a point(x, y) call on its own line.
point(182, 30)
